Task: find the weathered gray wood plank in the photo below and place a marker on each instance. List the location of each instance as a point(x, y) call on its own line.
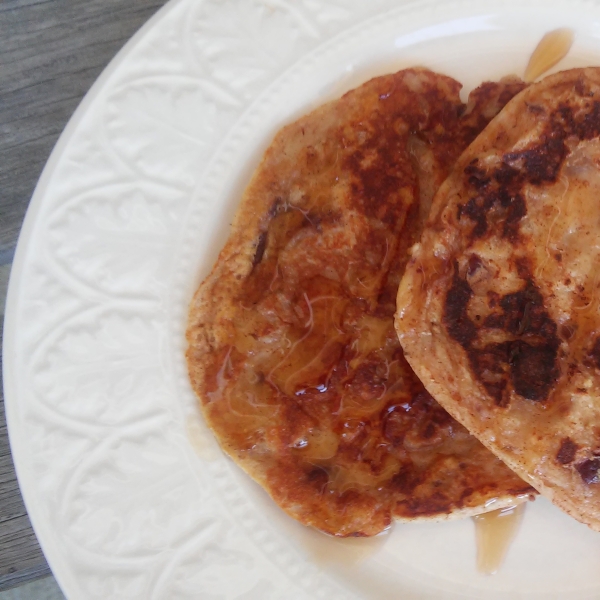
point(51, 51)
point(50, 54)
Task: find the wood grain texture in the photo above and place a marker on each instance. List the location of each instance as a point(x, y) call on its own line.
point(51, 51)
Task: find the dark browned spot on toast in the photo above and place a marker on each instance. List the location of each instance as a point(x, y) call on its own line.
point(456, 319)
point(566, 452)
point(405, 481)
point(379, 171)
point(523, 312)
point(540, 164)
point(436, 503)
point(589, 470)
point(595, 353)
point(498, 205)
point(261, 245)
point(527, 359)
point(474, 264)
point(533, 369)
point(485, 101)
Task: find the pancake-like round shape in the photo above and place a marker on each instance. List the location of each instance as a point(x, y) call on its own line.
point(499, 308)
point(292, 348)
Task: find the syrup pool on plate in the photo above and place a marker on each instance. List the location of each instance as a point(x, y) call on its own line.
point(494, 531)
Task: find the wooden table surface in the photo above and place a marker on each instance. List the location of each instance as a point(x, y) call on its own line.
point(51, 51)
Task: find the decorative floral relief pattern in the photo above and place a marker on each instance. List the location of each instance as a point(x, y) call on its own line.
point(127, 499)
point(132, 487)
point(103, 368)
point(116, 238)
point(242, 42)
point(168, 127)
point(127, 491)
point(49, 300)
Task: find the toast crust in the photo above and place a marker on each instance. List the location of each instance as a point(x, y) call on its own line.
point(292, 349)
point(498, 311)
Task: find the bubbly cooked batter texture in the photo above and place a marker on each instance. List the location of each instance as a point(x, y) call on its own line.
point(292, 349)
point(499, 309)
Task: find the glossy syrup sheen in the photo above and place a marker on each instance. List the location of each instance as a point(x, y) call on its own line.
point(553, 47)
point(305, 382)
point(495, 531)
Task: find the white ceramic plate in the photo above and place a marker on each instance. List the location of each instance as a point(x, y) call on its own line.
point(127, 491)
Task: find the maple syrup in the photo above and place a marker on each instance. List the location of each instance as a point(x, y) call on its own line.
point(552, 48)
point(494, 531)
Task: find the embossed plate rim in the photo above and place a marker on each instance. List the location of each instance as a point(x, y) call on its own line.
point(61, 573)
point(18, 439)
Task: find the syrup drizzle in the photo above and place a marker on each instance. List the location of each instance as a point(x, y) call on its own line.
point(494, 531)
point(552, 48)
